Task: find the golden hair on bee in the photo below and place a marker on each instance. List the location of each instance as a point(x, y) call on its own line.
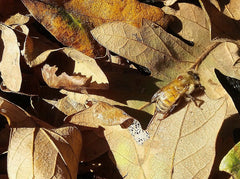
point(167, 98)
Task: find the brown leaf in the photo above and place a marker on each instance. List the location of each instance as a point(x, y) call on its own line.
point(36, 149)
point(10, 60)
point(100, 114)
point(88, 66)
point(100, 124)
point(223, 28)
point(63, 81)
point(71, 21)
point(149, 46)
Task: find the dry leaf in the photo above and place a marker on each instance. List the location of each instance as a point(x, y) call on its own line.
point(87, 66)
point(103, 113)
point(17, 19)
point(181, 146)
point(183, 143)
point(191, 26)
point(72, 20)
point(223, 28)
point(166, 2)
point(38, 150)
point(167, 56)
point(36, 51)
point(10, 60)
point(149, 46)
point(63, 81)
point(101, 118)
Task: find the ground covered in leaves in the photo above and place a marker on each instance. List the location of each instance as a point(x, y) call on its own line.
point(75, 74)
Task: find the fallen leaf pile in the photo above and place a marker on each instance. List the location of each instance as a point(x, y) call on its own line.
point(75, 75)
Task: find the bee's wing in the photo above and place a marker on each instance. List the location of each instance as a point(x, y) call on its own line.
point(155, 96)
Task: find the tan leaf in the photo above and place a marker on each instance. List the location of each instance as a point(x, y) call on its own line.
point(17, 19)
point(36, 149)
point(71, 21)
point(191, 25)
point(185, 141)
point(149, 46)
point(63, 81)
point(181, 146)
point(10, 60)
point(87, 66)
point(103, 113)
point(36, 51)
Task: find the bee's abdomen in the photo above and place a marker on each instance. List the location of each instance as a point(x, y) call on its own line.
point(166, 99)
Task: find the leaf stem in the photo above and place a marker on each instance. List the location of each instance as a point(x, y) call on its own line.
point(203, 55)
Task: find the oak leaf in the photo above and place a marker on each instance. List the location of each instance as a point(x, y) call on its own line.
point(37, 149)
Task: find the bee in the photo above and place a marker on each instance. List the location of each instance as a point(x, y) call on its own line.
point(167, 98)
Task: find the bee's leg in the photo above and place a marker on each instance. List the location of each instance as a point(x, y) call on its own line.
point(170, 110)
point(195, 100)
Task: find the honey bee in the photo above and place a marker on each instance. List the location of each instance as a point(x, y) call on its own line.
point(167, 98)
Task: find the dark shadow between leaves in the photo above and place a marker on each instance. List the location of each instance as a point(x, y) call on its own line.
point(224, 143)
point(126, 84)
point(142, 116)
point(96, 148)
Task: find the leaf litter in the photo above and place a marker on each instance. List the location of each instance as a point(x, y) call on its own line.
point(154, 152)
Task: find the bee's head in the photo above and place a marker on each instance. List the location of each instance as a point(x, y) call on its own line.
point(194, 75)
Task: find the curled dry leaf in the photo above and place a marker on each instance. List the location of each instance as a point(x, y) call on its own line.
point(72, 20)
point(36, 51)
point(166, 2)
point(88, 67)
point(36, 149)
point(63, 81)
point(12, 79)
point(17, 19)
point(100, 114)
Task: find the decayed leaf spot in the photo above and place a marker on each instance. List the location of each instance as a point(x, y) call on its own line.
point(10, 64)
point(39, 150)
point(63, 81)
point(138, 133)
